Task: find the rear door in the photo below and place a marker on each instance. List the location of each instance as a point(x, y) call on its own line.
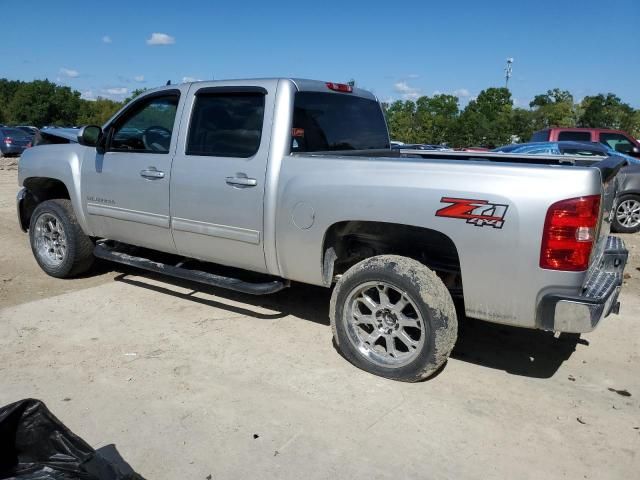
point(126, 189)
point(219, 171)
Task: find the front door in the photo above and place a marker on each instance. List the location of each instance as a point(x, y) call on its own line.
point(218, 175)
point(126, 189)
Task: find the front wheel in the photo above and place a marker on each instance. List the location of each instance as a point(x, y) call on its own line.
point(627, 214)
point(393, 317)
point(58, 243)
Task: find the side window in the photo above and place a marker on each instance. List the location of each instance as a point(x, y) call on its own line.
point(147, 127)
point(616, 141)
point(226, 124)
point(574, 136)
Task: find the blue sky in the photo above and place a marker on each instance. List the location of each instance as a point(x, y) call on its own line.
point(397, 50)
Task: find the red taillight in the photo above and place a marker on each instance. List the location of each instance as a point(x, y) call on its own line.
point(569, 233)
point(8, 140)
point(340, 87)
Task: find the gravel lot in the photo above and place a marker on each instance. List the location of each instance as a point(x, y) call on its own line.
point(190, 382)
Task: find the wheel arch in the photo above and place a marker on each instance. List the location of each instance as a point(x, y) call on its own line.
point(37, 190)
point(346, 243)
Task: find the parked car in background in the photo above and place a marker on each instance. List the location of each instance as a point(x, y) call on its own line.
point(618, 140)
point(13, 141)
point(627, 213)
point(419, 146)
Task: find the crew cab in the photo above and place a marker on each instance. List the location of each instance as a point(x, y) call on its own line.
point(290, 180)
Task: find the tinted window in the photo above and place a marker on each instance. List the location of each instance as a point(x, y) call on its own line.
point(618, 142)
point(147, 126)
point(13, 132)
point(574, 136)
point(541, 136)
point(226, 124)
point(328, 121)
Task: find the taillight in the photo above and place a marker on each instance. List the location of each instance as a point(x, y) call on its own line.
point(340, 87)
point(8, 140)
point(569, 233)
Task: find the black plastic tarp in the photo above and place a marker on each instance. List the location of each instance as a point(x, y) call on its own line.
point(35, 445)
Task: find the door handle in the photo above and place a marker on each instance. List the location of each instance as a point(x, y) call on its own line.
point(151, 172)
point(240, 181)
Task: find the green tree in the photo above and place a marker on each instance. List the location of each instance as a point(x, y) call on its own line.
point(606, 111)
point(42, 102)
point(97, 112)
point(401, 121)
point(486, 121)
point(554, 109)
point(436, 118)
point(523, 124)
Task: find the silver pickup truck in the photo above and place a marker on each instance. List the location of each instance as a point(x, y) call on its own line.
point(293, 180)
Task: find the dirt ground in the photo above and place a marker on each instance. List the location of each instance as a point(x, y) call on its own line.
point(190, 382)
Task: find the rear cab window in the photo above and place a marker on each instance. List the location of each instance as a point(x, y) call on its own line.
point(574, 136)
point(336, 121)
point(542, 136)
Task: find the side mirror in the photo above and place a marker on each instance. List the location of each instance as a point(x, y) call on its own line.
point(89, 136)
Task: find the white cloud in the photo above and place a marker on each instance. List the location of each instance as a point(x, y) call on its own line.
point(408, 92)
point(160, 39)
point(116, 91)
point(413, 75)
point(106, 39)
point(462, 93)
point(87, 95)
point(68, 72)
point(190, 79)
point(139, 78)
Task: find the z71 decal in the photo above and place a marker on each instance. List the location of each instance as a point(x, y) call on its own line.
point(475, 212)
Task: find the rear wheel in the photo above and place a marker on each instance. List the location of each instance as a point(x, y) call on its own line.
point(627, 215)
point(58, 243)
point(393, 317)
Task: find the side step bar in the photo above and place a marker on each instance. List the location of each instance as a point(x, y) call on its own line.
point(235, 284)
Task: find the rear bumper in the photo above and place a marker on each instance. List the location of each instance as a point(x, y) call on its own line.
point(13, 149)
point(598, 297)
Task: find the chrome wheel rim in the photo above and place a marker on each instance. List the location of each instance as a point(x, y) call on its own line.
point(50, 240)
point(384, 324)
point(628, 213)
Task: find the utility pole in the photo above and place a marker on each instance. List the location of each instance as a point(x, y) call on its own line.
point(508, 71)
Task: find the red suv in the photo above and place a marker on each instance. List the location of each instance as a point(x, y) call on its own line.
point(616, 139)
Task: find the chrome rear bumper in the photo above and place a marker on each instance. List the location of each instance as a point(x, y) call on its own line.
point(598, 298)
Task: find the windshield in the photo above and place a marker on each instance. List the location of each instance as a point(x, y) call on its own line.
point(329, 121)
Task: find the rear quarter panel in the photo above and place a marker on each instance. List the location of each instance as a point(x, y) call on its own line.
point(501, 277)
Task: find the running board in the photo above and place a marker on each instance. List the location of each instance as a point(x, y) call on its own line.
point(235, 284)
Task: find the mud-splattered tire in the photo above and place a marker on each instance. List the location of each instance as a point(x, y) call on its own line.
point(393, 317)
point(58, 243)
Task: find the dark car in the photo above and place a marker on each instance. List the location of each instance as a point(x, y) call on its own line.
point(13, 141)
point(627, 214)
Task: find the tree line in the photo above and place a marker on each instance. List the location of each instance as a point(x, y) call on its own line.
point(42, 103)
point(492, 120)
point(489, 120)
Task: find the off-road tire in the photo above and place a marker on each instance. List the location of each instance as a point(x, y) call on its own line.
point(425, 289)
point(79, 247)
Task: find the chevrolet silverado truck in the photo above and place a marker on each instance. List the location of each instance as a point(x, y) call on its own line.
point(288, 180)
